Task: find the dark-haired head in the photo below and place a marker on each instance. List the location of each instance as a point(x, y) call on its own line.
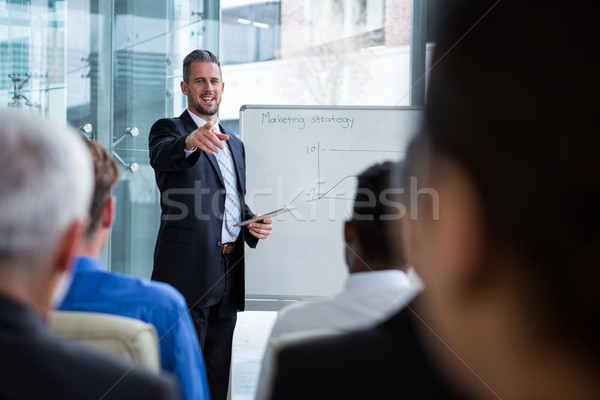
point(373, 217)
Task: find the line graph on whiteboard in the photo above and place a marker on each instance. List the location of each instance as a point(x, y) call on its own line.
point(342, 187)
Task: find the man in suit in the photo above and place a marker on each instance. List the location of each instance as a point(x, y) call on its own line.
point(379, 281)
point(46, 180)
point(386, 361)
point(200, 172)
point(97, 290)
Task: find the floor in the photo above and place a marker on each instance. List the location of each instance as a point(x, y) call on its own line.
point(249, 341)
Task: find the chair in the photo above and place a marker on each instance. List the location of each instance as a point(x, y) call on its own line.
point(269, 365)
point(130, 339)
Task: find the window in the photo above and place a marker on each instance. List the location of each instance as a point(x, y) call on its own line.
point(315, 52)
point(250, 33)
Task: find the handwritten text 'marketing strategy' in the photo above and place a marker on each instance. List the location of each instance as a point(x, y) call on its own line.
point(300, 122)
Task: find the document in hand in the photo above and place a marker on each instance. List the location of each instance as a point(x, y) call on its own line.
point(263, 216)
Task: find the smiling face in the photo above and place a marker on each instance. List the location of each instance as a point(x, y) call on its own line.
point(204, 89)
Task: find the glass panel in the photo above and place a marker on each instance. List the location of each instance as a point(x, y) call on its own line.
point(89, 72)
point(32, 50)
point(151, 39)
point(140, 68)
point(115, 73)
point(82, 66)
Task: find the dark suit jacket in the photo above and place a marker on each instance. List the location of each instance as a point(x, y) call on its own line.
point(385, 362)
point(36, 365)
point(187, 253)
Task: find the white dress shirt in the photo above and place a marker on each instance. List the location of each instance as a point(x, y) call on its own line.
point(367, 299)
point(226, 236)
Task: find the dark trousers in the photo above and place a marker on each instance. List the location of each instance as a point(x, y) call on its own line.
point(215, 326)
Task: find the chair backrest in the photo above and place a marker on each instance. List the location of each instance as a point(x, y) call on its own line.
point(130, 339)
point(275, 345)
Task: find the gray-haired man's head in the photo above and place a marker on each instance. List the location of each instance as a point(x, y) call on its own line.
point(45, 186)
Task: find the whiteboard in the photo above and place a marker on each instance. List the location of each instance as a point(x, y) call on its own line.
point(308, 157)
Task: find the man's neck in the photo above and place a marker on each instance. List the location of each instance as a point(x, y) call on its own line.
point(367, 266)
point(91, 246)
point(32, 293)
point(208, 118)
point(88, 253)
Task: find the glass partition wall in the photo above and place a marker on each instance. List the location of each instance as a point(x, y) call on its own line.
point(109, 68)
point(33, 56)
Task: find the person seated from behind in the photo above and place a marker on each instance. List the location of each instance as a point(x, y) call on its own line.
point(389, 357)
point(378, 284)
point(97, 290)
point(46, 183)
point(511, 144)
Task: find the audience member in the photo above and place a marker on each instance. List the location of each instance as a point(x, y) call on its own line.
point(97, 290)
point(377, 286)
point(46, 184)
point(386, 361)
point(510, 144)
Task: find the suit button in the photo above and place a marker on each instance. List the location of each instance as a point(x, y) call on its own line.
point(223, 191)
point(220, 217)
point(219, 243)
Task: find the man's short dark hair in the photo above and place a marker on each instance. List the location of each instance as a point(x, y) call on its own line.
point(198, 56)
point(513, 98)
point(374, 232)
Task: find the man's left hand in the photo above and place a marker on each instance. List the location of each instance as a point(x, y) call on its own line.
point(262, 229)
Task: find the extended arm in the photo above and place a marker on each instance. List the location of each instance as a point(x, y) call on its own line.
point(166, 144)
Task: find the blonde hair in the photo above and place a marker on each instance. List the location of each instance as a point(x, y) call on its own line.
point(106, 176)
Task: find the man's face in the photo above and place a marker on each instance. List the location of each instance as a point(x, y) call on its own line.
point(204, 88)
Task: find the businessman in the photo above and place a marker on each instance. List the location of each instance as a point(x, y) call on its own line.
point(200, 172)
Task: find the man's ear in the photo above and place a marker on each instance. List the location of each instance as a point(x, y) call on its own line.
point(184, 87)
point(222, 86)
point(67, 245)
point(461, 228)
point(349, 232)
point(109, 212)
point(450, 249)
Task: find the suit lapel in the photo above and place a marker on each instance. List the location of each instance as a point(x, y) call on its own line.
point(191, 126)
point(188, 122)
